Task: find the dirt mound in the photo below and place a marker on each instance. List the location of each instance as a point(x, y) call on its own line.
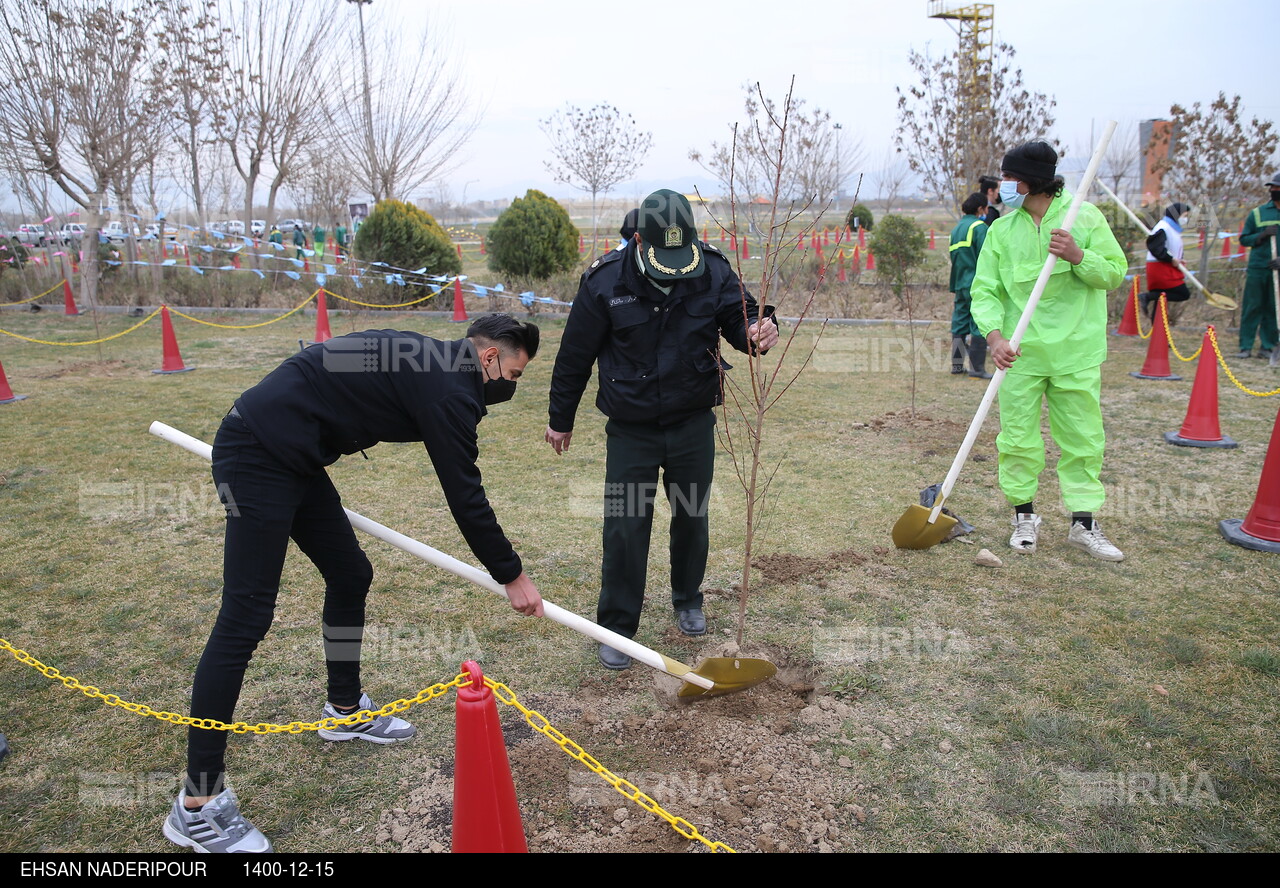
point(751, 770)
point(784, 567)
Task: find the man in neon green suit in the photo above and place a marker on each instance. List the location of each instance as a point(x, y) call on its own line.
point(1060, 357)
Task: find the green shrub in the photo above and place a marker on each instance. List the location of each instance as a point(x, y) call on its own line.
point(862, 214)
point(899, 247)
point(533, 238)
point(403, 236)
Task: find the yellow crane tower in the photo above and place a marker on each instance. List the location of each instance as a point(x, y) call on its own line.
point(974, 24)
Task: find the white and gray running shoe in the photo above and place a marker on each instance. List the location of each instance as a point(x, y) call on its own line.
point(1093, 541)
point(217, 828)
point(1026, 528)
point(382, 729)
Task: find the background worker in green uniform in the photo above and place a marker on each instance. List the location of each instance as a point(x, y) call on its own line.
point(299, 240)
point(1060, 357)
point(1258, 312)
point(966, 243)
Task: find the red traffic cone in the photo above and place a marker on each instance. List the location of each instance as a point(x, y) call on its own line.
point(1200, 428)
point(68, 299)
point(1226, 247)
point(1156, 366)
point(322, 319)
point(306, 265)
point(746, 248)
point(856, 262)
point(459, 249)
point(844, 278)
point(1202, 231)
point(733, 243)
point(1129, 320)
point(862, 237)
point(801, 245)
point(235, 260)
point(1260, 529)
point(871, 261)
point(704, 234)
point(6, 394)
point(582, 244)
point(486, 816)
point(459, 309)
point(483, 251)
point(826, 237)
point(722, 234)
point(172, 362)
point(932, 243)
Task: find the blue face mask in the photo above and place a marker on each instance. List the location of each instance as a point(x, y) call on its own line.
point(1009, 195)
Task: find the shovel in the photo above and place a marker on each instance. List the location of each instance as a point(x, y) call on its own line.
point(1217, 300)
point(920, 528)
point(713, 677)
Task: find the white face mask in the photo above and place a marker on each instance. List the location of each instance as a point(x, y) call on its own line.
point(1009, 195)
point(1184, 221)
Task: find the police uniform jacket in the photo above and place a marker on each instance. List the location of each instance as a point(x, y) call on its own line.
point(658, 354)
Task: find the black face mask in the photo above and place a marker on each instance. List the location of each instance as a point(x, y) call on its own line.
point(498, 390)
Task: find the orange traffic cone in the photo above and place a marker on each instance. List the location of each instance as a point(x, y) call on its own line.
point(746, 248)
point(871, 261)
point(459, 309)
point(800, 245)
point(733, 243)
point(6, 394)
point(1260, 529)
point(1226, 247)
point(862, 237)
point(68, 299)
point(1156, 366)
point(1129, 320)
point(844, 278)
point(722, 234)
point(932, 243)
point(322, 319)
point(172, 362)
point(486, 816)
point(1200, 428)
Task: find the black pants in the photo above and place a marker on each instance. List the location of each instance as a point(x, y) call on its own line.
point(267, 505)
point(686, 455)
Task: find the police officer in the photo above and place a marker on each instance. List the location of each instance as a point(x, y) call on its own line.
point(652, 315)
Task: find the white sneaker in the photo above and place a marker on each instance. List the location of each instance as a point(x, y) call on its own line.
point(217, 828)
point(1026, 527)
point(1093, 541)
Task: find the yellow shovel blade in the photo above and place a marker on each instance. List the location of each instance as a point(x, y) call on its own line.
point(1217, 300)
point(913, 530)
point(731, 674)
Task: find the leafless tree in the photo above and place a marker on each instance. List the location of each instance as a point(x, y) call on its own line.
point(594, 149)
point(73, 116)
point(192, 57)
point(421, 115)
point(815, 165)
point(273, 110)
point(941, 148)
point(1217, 160)
point(891, 179)
point(323, 193)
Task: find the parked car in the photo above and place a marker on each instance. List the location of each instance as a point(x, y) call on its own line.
point(34, 233)
point(116, 231)
point(287, 225)
point(153, 230)
point(258, 227)
point(71, 233)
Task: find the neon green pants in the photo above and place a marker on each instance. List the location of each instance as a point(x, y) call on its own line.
point(1075, 421)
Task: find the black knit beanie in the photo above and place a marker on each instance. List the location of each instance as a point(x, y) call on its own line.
point(1034, 160)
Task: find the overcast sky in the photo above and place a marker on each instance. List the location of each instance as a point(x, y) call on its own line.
point(679, 67)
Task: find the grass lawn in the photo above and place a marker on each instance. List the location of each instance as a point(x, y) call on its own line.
point(1056, 703)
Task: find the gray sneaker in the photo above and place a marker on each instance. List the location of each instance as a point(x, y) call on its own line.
point(217, 828)
point(382, 729)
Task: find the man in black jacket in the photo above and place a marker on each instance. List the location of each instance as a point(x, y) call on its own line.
point(269, 459)
point(651, 316)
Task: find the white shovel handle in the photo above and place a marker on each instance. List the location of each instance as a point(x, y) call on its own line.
point(1023, 322)
point(1147, 231)
point(461, 569)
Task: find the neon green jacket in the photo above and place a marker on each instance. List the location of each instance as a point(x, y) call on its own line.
point(966, 244)
point(1068, 331)
point(1259, 252)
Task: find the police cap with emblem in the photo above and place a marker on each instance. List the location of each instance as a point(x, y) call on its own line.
point(669, 247)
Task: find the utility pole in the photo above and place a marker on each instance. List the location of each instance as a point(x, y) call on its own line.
point(974, 25)
point(374, 189)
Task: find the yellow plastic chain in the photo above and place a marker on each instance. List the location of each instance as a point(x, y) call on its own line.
point(41, 296)
point(294, 310)
point(380, 305)
point(1137, 318)
point(539, 723)
point(1164, 317)
point(296, 727)
point(1213, 340)
point(89, 342)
